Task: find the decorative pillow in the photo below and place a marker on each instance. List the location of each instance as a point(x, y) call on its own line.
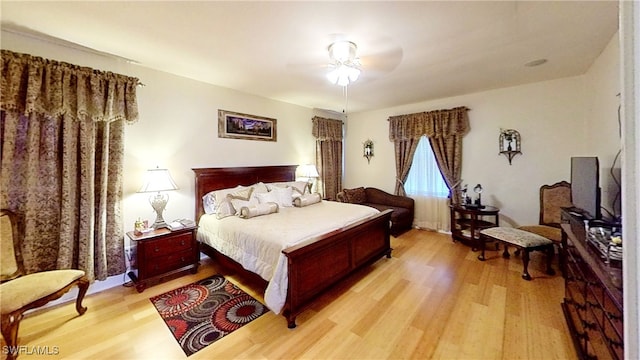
point(299, 186)
point(284, 196)
point(225, 209)
point(259, 188)
point(306, 200)
point(225, 204)
point(214, 199)
point(242, 198)
point(258, 210)
point(355, 196)
point(209, 203)
point(267, 197)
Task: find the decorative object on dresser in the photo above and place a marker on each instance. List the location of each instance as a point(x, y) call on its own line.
point(478, 202)
point(157, 180)
point(402, 206)
point(509, 143)
point(163, 252)
point(593, 302)
point(307, 268)
point(522, 240)
point(21, 292)
point(368, 150)
point(234, 125)
point(202, 313)
point(468, 220)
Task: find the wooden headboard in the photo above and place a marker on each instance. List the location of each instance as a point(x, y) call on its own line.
point(210, 179)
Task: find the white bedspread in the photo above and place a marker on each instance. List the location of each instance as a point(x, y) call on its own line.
point(257, 243)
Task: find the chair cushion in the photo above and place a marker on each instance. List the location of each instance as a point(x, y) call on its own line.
point(26, 289)
point(550, 232)
point(516, 237)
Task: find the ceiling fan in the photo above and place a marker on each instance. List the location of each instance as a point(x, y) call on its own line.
point(344, 67)
point(345, 60)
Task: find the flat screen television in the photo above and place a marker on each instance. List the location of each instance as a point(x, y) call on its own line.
point(585, 186)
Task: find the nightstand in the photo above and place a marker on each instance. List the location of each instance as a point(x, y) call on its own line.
point(163, 252)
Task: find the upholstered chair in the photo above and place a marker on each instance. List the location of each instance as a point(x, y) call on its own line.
point(20, 292)
point(552, 199)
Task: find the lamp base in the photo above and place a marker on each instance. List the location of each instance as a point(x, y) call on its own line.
point(158, 203)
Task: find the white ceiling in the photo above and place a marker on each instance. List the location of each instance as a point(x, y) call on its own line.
point(410, 51)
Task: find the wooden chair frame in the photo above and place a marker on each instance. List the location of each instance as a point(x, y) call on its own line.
point(11, 320)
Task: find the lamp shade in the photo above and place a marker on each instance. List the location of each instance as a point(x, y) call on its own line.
point(158, 180)
point(308, 171)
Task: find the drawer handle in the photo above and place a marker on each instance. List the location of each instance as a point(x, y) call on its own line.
point(597, 306)
point(614, 343)
point(182, 242)
point(588, 325)
point(156, 249)
point(612, 316)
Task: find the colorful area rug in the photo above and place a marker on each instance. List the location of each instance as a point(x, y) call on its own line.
point(204, 312)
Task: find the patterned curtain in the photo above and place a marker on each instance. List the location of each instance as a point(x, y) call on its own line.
point(444, 128)
point(62, 143)
point(328, 134)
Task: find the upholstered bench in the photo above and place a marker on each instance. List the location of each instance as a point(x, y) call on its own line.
point(522, 240)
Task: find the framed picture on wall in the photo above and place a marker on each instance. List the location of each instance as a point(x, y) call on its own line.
point(235, 125)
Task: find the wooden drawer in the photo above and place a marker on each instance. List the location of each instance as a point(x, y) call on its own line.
point(161, 265)
point(166, 246)
point(161, 253)
point(613, 314)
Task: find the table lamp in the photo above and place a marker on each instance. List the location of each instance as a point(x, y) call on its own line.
point(157, 180)
point(309, 172)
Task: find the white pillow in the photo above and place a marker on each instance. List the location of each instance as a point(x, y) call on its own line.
point(267, 197)
point(284, 196)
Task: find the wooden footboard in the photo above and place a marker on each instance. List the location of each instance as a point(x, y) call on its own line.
point(316, 266)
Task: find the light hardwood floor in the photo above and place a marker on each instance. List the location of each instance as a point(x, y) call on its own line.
point(432, 300)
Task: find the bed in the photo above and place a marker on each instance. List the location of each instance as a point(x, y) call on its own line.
point(312, 266)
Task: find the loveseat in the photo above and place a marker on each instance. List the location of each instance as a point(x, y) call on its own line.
point(402, 206)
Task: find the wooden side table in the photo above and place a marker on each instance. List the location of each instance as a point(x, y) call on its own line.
point(163, 252)
point(467, 221)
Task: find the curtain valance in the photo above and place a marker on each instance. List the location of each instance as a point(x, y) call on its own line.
point(32, 84)
point(433, 124)
point(327, 129)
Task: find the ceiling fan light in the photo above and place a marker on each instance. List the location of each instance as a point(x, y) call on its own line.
point(342, 51)
point(343, 80)
point(354, 73)
point(333, 76)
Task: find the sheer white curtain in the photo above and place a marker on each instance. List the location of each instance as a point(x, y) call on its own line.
point(427, 187)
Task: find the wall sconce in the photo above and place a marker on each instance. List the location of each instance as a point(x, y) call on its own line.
point(368, 150)
point(509, 143)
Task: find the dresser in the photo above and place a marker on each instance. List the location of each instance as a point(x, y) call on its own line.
point(592, 304)
point(161, 253)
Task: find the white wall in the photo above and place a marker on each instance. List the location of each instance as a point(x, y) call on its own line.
point(602, 83)
point(553, 118)
point(178, 128)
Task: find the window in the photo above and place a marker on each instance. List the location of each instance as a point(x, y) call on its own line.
point(424, 177)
